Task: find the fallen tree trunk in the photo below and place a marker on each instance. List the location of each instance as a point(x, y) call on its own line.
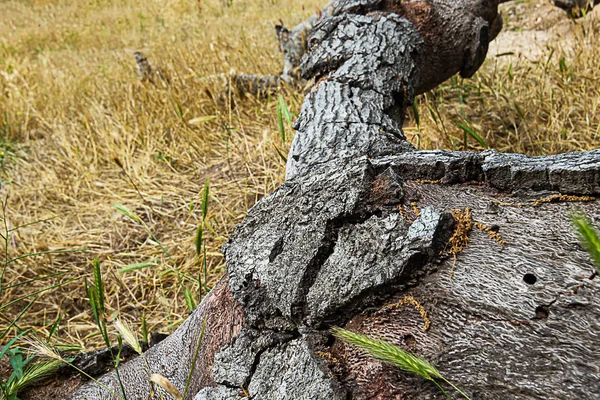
point(437, 21)
point(363, 221)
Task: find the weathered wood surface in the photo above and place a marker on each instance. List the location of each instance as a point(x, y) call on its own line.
point(491, 331)
point(340, 240)
point(445, 26)
point(173, 356)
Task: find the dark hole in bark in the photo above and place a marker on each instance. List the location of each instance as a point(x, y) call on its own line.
point(541, 312)
point(495, 228)
point(276, 250)
point(397, 112)
point(410, 340)
point(330, 341)
point(529, 279)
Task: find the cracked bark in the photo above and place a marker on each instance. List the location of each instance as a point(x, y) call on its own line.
point(330, 247)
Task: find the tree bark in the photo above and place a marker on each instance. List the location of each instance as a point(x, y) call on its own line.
point(173, 357)
point(576, 8)
point(364, 220)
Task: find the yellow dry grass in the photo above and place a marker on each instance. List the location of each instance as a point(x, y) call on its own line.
point(72, 104)
point(73, 111)
point(537, 93)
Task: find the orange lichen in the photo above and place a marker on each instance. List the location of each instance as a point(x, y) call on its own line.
point(491, 233)
point(428, 181)
point(402, 212)
point(327, 355)
point(415, 209)
point(460, 238)
point(418, 306)
point(548, 199)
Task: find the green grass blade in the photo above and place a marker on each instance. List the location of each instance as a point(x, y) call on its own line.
point(280, 124)
point(463, 394)
point(468, 130)
point(198, 240)
point(54, 326)
point(5, 306)
point(119, 351)
point(16, 228)
point(562, 65)
point(589, 236)
point(205, 271)
point(104, 333)
point(189, 299)
point(446, 395)
point(144, 330)
point(90, 291)
point(127, 212)
point(8, 345)
point(41, 278)
point(41, 253)
point(189, 377)
point(285, 111)
point(17, 318)
point(135, 267)
point(281, 155)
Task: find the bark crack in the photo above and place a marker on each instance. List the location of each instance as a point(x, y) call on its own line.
point(328, 243)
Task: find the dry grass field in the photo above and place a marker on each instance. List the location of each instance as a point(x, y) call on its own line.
point(79, 133)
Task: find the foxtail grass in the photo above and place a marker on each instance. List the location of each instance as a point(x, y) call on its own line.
point(32, 373)
point(95, 293)
point(45, 351)
point(391, 354)
point(128, 335)
point(200, 242)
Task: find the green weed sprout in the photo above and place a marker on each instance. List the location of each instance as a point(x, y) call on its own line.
point(588, 235)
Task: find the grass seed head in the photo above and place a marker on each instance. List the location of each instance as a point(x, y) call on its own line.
point(128, 335)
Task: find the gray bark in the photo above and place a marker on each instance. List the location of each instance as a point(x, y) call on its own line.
point(576, 8)
point(330, 247)
point(173, 357)
point(437, 21)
